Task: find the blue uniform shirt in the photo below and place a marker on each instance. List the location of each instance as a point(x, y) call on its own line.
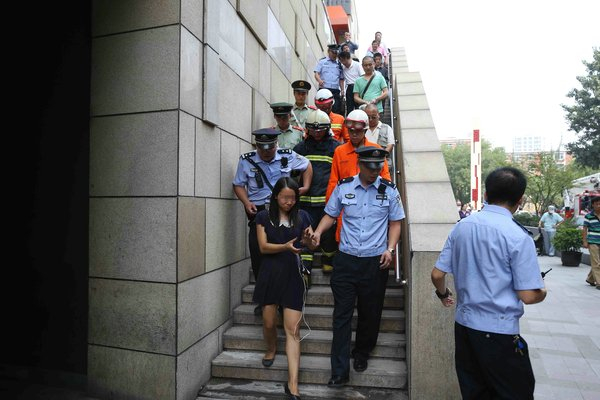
point(246, 173)
point(491, 257)
point(330, 72)
point(366, 215)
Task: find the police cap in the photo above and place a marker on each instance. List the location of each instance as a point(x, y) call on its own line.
point(282, 108)
point(373, 157)
point(333, 47)
point(266, 138)
point(301, 86)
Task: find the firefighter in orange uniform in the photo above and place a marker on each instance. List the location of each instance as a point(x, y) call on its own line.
point(345, 159)
point(324, 102)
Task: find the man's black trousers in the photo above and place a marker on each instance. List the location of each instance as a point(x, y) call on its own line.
point(492, 365)
point(352, 278)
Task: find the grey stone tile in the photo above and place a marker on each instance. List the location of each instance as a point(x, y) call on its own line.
point(208, 164)
point(229, 160)
point(135, 72)
point(133, 238)
point(191, 239)
point(235, 111)
point(154, 374)
point(113, 16)
point(225, 219)
point(192, 16)
point(202, 306)
point(191, 67)
point(193, 368)
point(187, 149)
point(132, 315)
point(255, 15)
point(134, 155)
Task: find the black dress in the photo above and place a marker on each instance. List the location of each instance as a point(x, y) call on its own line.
point(279, 279)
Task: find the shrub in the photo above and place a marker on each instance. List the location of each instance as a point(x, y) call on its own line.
point(568, 237)
point(527, 219)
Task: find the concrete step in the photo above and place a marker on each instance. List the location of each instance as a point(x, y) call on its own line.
point(319, 278)
point(250, 337)
point(218, 388)
point(320, 318)
point(320, 295)
point(314, 369)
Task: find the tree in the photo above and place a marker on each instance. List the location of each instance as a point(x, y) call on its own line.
point(584, 116)
point(458, 163)
point(546, 181)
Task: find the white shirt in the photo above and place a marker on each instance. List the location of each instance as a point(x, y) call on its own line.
point(373, 135)
point(352, 73)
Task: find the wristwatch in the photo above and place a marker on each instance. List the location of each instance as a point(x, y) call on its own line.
point(443, 296)
point(392, 250)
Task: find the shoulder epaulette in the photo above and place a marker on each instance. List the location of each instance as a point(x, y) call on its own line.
point(388, 183)
point(284, 151)
point(346, 180)
point(298, 128)
point(522, 227)
point(247, 155)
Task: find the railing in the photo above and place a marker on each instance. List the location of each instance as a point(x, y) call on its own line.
point(395, 171)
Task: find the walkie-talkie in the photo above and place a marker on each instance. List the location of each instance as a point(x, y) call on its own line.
point(544, 273)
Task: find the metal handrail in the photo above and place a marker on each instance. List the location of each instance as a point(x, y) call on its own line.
point(398, 270)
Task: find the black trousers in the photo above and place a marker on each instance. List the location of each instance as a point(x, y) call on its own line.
point(350, 105)
point(255, 255)
point(337, 104)
point(488, 367)
point(352, 278)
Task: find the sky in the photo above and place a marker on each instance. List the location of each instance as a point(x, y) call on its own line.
point(503, 67)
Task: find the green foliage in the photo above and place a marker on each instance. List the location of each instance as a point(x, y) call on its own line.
point(568, 237)
point(458, 163)
point(546, 181)
point(527, 219)
point(584, 115)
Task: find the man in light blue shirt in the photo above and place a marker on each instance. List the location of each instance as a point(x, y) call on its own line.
point(256, 174)
point(329, 75)
point(549, 221)
point(494, 263)
point(371, 217)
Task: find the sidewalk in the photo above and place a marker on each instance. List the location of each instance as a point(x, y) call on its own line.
point(563, 333)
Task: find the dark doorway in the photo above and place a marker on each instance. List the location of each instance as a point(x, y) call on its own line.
point(46, 163)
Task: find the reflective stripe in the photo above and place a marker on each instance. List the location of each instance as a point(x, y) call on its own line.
point(306, 257)
point(336, 126)
point(312, 199)
point(315, 157)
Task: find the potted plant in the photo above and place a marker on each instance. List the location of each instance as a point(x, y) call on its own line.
point(568, 240)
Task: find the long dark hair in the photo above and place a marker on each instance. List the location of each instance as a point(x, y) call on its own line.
point(282, 183)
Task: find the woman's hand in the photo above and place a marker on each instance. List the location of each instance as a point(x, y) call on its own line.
point(290, 246)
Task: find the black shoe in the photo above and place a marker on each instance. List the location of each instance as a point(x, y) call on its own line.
point(289, 394)
point(360, 364)
point(337, 381)
point(267, 362)
point(591, 283)
point(258, 310)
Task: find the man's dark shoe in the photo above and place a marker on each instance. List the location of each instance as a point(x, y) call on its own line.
point(337, 381)
point(360, 364)
point(258, 310)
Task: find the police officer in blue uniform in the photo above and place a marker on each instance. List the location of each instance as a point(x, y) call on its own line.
point(257, 172)
point(329, 75)
point(495, 268)
point(372, 211)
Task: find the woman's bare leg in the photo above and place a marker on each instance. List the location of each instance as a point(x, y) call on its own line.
point(270, 330)
point(291, 323)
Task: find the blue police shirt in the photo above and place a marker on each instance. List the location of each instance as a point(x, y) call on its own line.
point(491, 257)
point(330, 72)
point(246, 173)
point(366, 215)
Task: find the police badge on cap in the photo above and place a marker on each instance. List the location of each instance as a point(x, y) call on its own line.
point(372, 157)
point(282, 108)
point(266, 138)
point(301, 86)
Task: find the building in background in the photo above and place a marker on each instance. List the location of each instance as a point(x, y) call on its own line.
point(343, 18)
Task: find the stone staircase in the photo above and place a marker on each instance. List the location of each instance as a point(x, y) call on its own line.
point(237, 373)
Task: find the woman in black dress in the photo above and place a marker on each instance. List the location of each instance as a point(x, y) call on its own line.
point(281, 232)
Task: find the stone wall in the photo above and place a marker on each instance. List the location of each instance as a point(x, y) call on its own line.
point(430, 214)
point(177, 86)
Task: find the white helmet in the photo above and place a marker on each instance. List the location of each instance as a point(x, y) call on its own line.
point(358, 116)
point(324, 96)
point(317, 119)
